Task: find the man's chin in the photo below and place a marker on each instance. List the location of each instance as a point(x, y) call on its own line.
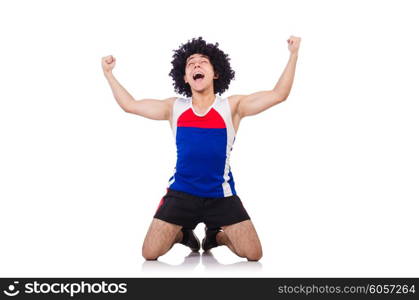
point(198, 90)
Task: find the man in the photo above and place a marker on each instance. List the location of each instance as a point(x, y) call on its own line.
point(204, 126)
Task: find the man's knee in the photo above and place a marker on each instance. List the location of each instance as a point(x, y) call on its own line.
point(149, 253)
point(159, 239)
point(253, 254)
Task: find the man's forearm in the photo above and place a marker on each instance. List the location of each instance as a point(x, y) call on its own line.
point(120, 93)
point(284, 84)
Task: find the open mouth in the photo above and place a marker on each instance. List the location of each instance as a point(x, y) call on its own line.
point(198, 76)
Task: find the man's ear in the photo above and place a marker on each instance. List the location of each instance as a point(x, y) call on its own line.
point(184, 78)
point(216, 76)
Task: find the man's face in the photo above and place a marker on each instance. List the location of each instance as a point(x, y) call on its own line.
point(199, 72)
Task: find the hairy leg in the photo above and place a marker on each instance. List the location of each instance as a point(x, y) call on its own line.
point(160, 238)
point(242, 239)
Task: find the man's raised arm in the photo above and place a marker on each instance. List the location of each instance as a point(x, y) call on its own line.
point(148, 108)
point(255, 103)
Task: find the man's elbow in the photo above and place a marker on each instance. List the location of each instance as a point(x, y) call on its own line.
point(127, 107)
point(280, 96)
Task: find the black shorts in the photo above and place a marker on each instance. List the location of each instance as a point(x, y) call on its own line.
point(188, 210)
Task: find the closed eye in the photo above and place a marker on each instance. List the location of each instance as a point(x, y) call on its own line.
point(202, 61)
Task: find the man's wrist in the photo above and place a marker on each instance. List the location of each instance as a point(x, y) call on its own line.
point(108, 74)
point(295, 54)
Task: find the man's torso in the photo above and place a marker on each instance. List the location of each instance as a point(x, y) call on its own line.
point(232, 100)
point(204, 142)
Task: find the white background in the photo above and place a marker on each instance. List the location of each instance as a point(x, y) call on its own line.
point(329, 177)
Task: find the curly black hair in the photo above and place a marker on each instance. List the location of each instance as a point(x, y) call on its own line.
point(218, 59)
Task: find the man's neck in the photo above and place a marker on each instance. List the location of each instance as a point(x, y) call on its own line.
point(203, 100)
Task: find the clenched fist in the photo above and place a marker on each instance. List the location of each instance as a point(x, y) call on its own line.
point(293, 44)
point(108, 62)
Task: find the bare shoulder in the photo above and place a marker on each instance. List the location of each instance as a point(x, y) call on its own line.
point(234, 101)
point(170, 102)
point(234, 98)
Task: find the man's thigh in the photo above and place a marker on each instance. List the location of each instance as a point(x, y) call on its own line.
point(160, 238)
point(244, 238)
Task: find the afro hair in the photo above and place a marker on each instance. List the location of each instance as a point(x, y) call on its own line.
point(218, 59)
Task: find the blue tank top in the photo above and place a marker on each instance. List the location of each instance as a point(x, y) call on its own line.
point(203, 143)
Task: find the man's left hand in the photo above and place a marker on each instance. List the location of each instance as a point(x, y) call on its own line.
point(294, 44)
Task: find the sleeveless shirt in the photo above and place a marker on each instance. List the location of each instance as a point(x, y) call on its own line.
point(203, 144)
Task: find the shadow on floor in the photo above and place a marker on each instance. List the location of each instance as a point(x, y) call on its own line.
point(207, 259)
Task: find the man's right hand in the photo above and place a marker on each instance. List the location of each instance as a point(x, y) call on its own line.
point(108, 63)
point(147, 108)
